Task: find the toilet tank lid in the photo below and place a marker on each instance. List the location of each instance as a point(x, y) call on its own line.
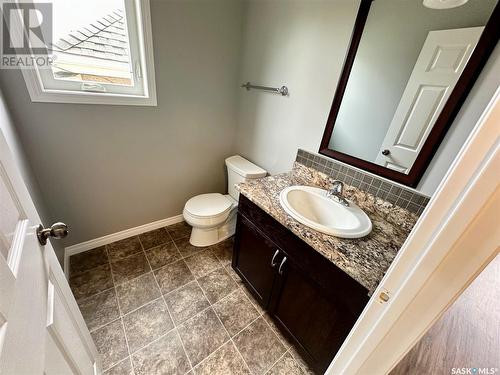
point(244, 167)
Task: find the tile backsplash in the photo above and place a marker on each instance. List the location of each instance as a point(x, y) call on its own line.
point(391, 192)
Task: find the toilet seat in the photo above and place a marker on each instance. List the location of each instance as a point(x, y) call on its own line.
point(207, 210)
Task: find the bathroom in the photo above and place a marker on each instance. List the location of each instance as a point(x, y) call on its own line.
point(167, 267)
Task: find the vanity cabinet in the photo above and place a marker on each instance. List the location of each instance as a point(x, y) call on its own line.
point(255, 254)
point(313, 302)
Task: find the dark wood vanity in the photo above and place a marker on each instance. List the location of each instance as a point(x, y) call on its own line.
point(313, 302)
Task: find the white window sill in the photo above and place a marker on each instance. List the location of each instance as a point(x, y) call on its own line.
point(79, 97)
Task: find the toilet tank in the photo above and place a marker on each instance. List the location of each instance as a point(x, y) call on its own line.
point(239, 170)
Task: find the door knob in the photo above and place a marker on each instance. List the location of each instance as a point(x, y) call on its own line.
point(386, 152)
point(57, 231)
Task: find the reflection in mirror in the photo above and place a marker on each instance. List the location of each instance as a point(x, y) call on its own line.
point(407, 64)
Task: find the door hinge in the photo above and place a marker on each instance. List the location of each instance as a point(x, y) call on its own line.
point(384, 296)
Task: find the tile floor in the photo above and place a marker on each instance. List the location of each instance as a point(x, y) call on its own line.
point(157, 305)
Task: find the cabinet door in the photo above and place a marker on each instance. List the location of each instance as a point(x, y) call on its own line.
point(252, 260)
point(315, 320)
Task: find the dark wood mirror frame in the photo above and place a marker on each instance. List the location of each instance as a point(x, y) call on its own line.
point(484, 47)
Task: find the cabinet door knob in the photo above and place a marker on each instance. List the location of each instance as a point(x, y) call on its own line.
point(386, 152)
point(273, 263)
point(280, 270)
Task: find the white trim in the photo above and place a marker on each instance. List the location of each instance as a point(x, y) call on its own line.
point(436, 263)
point(110, 238)
point(147, 50)
point(39, 94)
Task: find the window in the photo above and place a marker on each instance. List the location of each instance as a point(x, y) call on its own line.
point(101, 54)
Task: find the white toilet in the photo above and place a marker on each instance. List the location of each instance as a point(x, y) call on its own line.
point(213, 215)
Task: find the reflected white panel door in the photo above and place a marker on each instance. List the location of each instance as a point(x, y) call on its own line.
point(441, 62)
point(41, 328)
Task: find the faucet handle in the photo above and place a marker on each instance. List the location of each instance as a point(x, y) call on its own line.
point(337, 187)
point(336, 193)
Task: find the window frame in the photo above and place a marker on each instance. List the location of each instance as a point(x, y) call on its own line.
point(39, 93)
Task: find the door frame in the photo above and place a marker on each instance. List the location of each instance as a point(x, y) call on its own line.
point(434, 265)
point(403, 154)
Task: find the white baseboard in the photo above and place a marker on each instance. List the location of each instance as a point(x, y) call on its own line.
point(104, 240)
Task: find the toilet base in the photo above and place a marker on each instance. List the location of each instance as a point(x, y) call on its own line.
point(201, 237)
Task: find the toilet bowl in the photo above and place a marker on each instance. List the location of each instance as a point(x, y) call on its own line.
point(213, 215)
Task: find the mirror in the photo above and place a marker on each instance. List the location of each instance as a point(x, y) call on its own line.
point(408, 69)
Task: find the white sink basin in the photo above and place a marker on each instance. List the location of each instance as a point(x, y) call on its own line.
point(311, 207)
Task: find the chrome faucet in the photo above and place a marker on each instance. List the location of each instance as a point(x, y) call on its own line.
point(336, 193)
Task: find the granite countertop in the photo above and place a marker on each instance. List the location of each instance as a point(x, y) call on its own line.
point(365, 259)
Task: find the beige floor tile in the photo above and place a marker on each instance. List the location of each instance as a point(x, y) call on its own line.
point(91, 282)
point(252, 299)
point(217, 284)
point(99, 309)
point(130, 267)
point(185, 248)
point(122, 368)
point(154, 238)
point(285, 340)
point(202, 335)
point(202, 263)
point(236, 312)
point(302, 363)
point(164, 356)
point(111, 344)
point(186, 302)
point(286, 366)
point(179, 230)
point(162, 255)
point(225, 361)
point(259, 346)
point(173, 276)
point(146, 324)
point(224, 251)
point(233, 274)
point(124, 248)
point(137, 292)
point(87, 260)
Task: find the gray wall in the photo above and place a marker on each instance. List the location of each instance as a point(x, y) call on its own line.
point(271, 128)
point(392, 40)
point(301, 44)
point(103, 168)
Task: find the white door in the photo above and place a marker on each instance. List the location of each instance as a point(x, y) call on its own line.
point(441, 61)
point(41, 329)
